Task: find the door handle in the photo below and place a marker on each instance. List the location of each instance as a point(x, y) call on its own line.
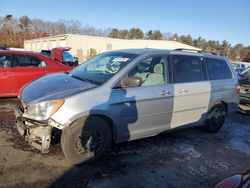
point(165, 92)
point(183, 91)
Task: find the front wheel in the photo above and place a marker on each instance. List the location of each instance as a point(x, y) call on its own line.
point(215, 118)
point(86, 140)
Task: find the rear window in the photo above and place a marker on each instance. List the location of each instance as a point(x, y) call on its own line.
point(218, 69)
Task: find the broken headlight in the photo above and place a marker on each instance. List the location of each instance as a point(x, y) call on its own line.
point(43, 110)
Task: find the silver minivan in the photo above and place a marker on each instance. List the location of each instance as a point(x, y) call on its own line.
point(126, 95)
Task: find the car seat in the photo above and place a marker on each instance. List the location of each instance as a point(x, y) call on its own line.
point(156, 78)
point(142, 71)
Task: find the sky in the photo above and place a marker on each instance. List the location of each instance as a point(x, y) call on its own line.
point(211, 19)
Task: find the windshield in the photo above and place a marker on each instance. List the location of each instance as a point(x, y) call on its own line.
point(67, 57)
point(102, 67)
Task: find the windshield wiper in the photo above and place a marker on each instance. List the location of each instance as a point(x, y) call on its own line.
point(92, 81)
point(85, 79)
point(76, 77)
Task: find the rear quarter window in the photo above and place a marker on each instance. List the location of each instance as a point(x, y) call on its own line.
point(218, 69)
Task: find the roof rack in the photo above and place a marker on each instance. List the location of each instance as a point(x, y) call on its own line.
point(198, 51)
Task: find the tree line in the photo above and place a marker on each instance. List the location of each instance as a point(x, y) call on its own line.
point(13, 32)
point(224, 48)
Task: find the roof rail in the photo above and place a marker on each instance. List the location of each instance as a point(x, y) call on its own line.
point(198, 51)
point(208, 52)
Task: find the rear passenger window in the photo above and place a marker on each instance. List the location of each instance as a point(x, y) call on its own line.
point(187, 68)
point(218, 69)
point(27, 61)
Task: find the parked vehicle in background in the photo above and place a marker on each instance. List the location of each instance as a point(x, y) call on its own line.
point(17, 68)
point(240, 65)
point(245, 74)
point(238, 71)
point(244, 82)
point(4, 48)
point(46, 53)
point(126, 95)
point(236, 181)
point(61, 55)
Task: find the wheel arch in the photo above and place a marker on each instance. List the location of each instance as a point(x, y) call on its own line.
point(226, 105)
point(219, 102)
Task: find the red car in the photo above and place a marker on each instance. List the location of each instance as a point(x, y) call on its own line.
point(236, 181)
point(17, 68)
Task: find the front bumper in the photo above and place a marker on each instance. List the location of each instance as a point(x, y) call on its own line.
point(37, 134)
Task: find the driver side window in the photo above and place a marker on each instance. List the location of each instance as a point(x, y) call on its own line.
point(151, 70)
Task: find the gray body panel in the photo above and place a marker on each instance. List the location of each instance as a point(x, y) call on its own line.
point(224, 91)
point(144, 111)
point(53, 86)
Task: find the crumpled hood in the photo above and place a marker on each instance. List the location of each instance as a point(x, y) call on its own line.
point(53, 86)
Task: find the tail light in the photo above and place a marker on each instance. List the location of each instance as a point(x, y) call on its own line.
point(237, 89)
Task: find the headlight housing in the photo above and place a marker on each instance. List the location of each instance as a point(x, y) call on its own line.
point(44, 110)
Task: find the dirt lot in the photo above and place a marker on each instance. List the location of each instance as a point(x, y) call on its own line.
point(187, 158)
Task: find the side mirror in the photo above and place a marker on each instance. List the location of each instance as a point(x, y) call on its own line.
point(133, 81)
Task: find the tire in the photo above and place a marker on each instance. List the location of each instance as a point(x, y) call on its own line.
point(86, 140)
point(215, 118)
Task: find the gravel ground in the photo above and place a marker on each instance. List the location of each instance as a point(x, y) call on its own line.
point(185, 158)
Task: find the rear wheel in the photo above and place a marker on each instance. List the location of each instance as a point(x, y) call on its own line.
point(86, 140)
point(215, 118)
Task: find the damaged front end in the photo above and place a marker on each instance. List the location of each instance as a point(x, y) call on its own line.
point(38, 133)
point(39, 136)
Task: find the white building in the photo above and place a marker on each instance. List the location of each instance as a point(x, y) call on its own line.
point(81, 45)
